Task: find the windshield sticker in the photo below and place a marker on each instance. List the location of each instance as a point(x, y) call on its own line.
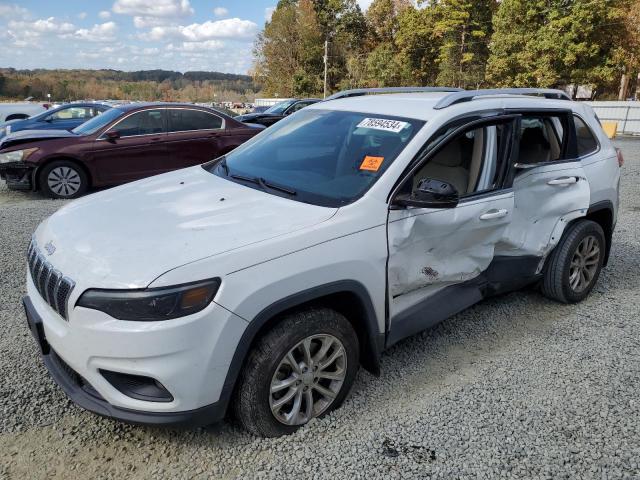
point(382, 124)
point(371, 164)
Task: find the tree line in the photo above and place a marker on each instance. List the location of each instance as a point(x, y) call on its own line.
point(150, 85)
point(460, 43)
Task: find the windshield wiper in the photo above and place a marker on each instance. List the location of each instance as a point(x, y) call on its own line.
point(264, 183)
point(280, 188)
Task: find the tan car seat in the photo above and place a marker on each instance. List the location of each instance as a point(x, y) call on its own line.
point(446, 166)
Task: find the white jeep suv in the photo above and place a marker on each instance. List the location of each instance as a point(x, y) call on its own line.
point(261, 281)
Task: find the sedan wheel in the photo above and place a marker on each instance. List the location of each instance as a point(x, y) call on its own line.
point(64, 181)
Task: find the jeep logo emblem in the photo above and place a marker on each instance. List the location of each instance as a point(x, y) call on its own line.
point(50, 248)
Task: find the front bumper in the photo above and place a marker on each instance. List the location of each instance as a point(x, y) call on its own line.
point(18, 175)
point(189, 356)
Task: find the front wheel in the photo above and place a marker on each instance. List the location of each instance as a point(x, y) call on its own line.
point(301, 369)
point(63, 179)
point(575, 264)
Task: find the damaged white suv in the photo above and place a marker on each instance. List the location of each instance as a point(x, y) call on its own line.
point(261, 281)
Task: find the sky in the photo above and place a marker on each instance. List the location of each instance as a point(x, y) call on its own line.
point(182, 35)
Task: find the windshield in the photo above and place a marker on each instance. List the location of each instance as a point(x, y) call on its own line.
point(279, 108)
point(96, 123)
point(327, 158)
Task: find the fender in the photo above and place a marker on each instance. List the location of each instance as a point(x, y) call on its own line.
point(374, 340)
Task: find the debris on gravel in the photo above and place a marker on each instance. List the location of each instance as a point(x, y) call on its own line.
point(516, 387)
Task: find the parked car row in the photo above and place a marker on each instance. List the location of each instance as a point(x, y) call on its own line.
point(69, 149)
point(125, 143)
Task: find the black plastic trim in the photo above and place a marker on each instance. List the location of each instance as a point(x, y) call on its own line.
point(504, 274)
point(599, 207)
point(191, 418)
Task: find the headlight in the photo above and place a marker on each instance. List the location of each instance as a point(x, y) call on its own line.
point(17, 155)
point(152, 304)
point(5, 130)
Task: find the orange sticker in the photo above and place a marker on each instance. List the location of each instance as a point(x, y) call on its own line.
point(371, 164)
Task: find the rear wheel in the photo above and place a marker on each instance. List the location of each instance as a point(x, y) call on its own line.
point(63, 179)
point(575, 264)
point(302, 369)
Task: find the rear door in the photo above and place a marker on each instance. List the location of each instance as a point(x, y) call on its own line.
point(139, 152)
point(549, 183)
point(435, 254)
point(193, 136)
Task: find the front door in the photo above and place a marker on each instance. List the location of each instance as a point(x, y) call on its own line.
point(436, 254)
point(549, 183)
point(139, 151)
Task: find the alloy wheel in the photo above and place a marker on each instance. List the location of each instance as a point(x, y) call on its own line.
point(308, 379)
point(64, 181)
point(584, 264)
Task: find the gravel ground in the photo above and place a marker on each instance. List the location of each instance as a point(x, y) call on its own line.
point(516, 387)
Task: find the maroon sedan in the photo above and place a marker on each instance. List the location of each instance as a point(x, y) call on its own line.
point(126, 143)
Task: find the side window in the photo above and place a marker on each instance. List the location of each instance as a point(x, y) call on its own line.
point(472, 162)
point(297, 106)
point(141, 123)
point(587, 143)
point(71, 113)
point(541, 139)
point(184, 120)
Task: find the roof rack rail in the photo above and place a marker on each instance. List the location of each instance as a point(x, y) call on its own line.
point(370, 91)
point(469, 95)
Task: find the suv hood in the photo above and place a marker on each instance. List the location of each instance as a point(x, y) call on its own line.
point(128, 236)
point(25, 136)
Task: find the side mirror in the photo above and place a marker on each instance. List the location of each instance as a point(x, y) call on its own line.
point(112, 135)
point(430, 193)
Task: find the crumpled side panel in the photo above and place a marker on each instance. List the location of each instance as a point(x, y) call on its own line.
point(542, 210)
point(443, 246)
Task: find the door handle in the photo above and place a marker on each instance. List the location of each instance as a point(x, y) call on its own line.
point(563, 181)
point(491, 214)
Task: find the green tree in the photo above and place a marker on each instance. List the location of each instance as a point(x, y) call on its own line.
point(418, 47)
point(288, 52)
point(553, 44)
point(464, 29)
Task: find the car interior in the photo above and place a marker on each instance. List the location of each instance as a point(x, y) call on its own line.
point(469, 162)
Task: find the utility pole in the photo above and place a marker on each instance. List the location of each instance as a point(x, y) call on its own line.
point(326, 62)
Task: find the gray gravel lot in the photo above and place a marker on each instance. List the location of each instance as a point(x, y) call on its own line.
point(516, 387)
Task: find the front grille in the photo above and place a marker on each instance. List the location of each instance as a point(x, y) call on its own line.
point(52, 286)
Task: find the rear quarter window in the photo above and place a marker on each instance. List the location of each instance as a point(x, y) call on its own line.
point(587, 142)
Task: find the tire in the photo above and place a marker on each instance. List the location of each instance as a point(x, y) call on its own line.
point(63, 179)
point(559, 280)
point(256, 407)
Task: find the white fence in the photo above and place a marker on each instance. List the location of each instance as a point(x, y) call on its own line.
point(627, 114)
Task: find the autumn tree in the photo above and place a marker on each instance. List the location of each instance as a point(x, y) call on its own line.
point(288, 52)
